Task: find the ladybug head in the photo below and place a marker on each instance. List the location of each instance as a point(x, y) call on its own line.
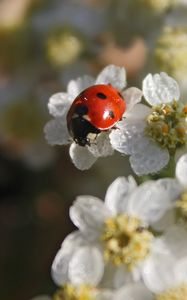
point(81, 130)
point(82, 141)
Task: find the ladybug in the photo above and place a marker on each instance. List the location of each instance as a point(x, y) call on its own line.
point(97, 108)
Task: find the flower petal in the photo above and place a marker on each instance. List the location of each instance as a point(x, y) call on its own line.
point(138, 112)
point(73, 240)
point(86, 266)
point(175, 239)
point(151, 159)
point(104, 295)
point(134, 292)
point(59, 269)
point(167, 220)
point(114, 75)
point(81, 157)
point(116, 198)
point(88, 213)
point(123, 277)
point(180, 152)
point(127, 138)
point(59, 104)
point(132, 96)
point(147, 157)
point(160, 88)
point(158, 273)
point(172, 187)
point(56, 132)
point(102, 147)
point(107, 281)
point(181, 270)
point(60, 266)
point(149, 201)
point(75, 87)
point(181, 170)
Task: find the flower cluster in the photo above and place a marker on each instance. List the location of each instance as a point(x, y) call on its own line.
point(132, 245)
point(150, 133)
point(59, 104)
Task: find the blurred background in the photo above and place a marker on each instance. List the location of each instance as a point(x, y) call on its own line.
point(44, 44)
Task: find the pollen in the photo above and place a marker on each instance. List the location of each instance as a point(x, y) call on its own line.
point(177, 293)
point(125, 241)
point(181, 205)
point(165, 129)
point(167, 125)
point(70, 292)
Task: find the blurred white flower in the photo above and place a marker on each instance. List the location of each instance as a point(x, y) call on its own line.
point(151, 135)
point(170, 52)
point(113, 240)
point(56, 131)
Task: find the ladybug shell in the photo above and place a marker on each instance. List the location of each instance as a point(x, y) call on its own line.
point(101, 105)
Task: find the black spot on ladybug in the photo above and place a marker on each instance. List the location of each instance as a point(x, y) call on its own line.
point(81, 110)
point(101, 96)
point(120, 95)
point(111, 114)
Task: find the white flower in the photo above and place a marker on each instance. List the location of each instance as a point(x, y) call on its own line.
point(165, 274)
point(150, 135)
point(179, 189)
point(113, 239)
point(56, 131)
point(165, 271)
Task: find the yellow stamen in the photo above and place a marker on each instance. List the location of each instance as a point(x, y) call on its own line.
point(69, 292)
point(167, 125)
point(165, 129)
point(181, 204)
point(125, 241)
point(177, 293)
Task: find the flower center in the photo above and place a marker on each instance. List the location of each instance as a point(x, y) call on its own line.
point(125, 241)
point(177, 293)
point(167, 125)
point(70, 292)
point(181, 204)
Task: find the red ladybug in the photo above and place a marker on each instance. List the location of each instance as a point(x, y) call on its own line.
point(98, 108)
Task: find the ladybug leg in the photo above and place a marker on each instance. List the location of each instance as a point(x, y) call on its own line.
point(88, 142)
point(115, 127)
point(95, 140)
